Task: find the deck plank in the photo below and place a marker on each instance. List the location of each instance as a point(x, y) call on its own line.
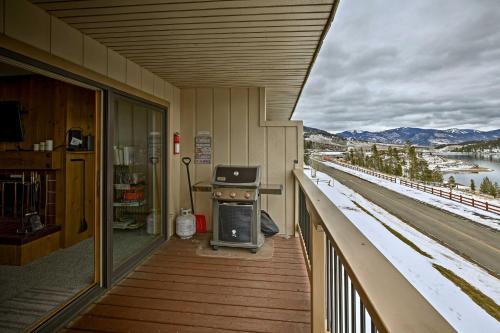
point(211, 289)
point(176, 290)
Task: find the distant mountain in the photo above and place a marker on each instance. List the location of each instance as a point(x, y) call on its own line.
point(318, 135)
point(421, 136)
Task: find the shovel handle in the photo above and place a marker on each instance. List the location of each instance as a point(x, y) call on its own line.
point(186, 160)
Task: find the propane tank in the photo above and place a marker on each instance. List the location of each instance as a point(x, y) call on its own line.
point(185, 224)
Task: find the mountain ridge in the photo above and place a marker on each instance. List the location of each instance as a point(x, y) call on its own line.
point(421, 136)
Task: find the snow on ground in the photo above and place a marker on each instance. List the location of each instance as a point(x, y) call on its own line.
point(454, 305)
point(489, 219)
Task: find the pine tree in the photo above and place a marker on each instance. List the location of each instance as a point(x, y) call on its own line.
point(472, 185)
point(494, 190)
point(485, 186)
point(451, 182)
point(437, 176)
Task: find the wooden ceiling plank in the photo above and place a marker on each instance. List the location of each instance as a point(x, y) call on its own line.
point(78, 16)
point(264, 31)
point(209, 41)
point(249, 47)
point(205, 25)
point(205, 36)
point(122, 6)
point(205, 19)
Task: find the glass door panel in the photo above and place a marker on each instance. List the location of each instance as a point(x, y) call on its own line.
point(137, 178)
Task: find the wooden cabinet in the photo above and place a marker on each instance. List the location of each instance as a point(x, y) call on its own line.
point(79, 204)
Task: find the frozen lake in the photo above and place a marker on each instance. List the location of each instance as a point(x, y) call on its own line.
point(490, 162)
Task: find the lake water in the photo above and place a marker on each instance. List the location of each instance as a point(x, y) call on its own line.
point(490, 162)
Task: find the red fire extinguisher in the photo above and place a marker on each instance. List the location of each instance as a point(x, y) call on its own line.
point(177, 143)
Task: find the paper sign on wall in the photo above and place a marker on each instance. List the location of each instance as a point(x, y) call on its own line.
point(203, 148)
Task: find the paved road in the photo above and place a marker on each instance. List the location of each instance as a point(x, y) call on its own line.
point(473, 241)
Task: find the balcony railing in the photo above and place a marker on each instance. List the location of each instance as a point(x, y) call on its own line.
point(354, 287)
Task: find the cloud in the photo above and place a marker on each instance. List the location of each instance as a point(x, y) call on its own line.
point(390, 63)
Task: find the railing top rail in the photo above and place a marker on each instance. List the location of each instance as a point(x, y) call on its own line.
point(394, 304)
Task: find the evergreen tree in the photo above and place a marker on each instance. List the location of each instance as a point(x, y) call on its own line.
point(494, 190)
point(437, 176)
point(472, 185)
point(451, 182)
point(485, 186)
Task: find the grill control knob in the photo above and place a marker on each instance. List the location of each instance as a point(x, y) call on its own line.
point(218, 194)
point(247, 195)
point(232, 194)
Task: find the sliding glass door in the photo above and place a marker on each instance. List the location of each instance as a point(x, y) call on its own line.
point(138, 160)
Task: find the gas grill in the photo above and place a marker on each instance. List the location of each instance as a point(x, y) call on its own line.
point(236, 207)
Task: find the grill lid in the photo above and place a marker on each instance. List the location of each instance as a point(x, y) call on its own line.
point(236, 176)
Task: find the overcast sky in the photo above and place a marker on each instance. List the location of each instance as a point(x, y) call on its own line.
point(407, 63)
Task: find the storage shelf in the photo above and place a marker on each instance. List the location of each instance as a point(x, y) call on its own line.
point(129, 203)
point(127, 187)
point(127, 226)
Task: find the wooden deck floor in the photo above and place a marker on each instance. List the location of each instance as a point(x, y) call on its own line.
point(175, 290)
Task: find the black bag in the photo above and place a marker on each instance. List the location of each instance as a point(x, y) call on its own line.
point(267, 225)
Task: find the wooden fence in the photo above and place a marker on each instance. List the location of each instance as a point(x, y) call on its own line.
point(484, 205)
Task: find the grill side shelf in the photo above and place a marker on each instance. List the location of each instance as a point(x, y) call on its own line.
point(275, 189)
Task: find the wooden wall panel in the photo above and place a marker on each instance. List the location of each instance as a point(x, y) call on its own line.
point(80, 108)
point(95, 55)
point(28, 23)
point(240, 137)
point(117, 66)
point(66, 42)
point(188, 105)
point(203, 172)
point(133, 74)
point(221, 126)
point(175, 168)
point(257, 137)
point(289, 188)
point(239, 126)
point(276, 174)
point(147, 81)
point(159, 88)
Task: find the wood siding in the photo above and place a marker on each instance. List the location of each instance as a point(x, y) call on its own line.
point(232, 117)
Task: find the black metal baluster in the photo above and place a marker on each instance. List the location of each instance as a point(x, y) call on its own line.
point(336, 292)
point(328, 285)
point(346, 300)
point(362, 320)
point(331, 287)
point(341, 305)
point(353, 308)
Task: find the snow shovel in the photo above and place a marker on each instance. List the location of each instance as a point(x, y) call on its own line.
point(201, 222)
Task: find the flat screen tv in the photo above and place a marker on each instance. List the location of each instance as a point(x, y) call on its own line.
point(11, 126)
